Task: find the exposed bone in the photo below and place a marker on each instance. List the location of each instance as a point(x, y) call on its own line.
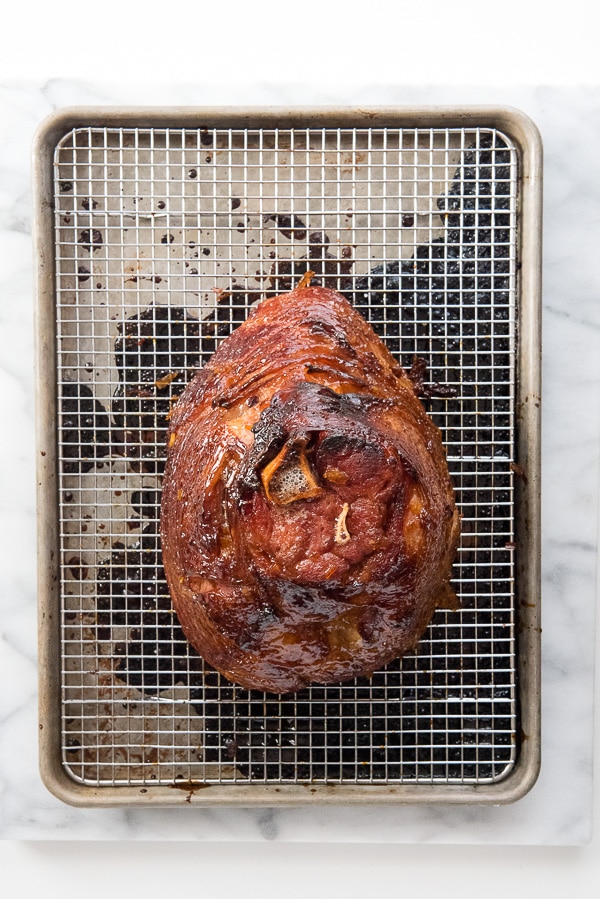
point(288, 477)
point(342, 534)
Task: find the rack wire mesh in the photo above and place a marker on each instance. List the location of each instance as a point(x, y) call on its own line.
point(165, 238)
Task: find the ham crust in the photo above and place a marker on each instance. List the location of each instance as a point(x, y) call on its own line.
point(308, 520)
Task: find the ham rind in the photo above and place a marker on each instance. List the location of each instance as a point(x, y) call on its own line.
point(308, 520)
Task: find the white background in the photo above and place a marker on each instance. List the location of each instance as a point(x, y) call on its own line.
point(336, 45)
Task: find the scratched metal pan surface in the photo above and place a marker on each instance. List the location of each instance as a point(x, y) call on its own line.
point(156, 232)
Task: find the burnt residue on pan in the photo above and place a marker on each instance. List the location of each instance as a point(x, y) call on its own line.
point(132, 593)
point(369, 731)
point(156, 353)
point(85, 429)
point(328, 269)
point(453, 294)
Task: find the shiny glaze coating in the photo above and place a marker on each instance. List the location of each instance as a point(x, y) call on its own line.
point(308, 521)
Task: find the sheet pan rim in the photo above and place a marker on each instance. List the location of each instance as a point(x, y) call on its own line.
point(523, 131)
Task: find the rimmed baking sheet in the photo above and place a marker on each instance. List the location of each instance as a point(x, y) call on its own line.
point(157, 230)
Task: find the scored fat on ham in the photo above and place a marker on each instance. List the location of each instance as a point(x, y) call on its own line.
point(308, 519)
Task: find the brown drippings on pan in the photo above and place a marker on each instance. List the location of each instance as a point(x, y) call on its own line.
point(189, 787)
point(519, 471)
point(291, 226)
point(224, 710)
point(328, 270)
point(78, 568)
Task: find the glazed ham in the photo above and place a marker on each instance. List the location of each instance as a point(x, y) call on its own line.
point(308, 521)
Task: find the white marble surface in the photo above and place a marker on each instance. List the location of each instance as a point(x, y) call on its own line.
point(558, 810)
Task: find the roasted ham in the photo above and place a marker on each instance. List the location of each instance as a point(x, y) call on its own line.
point(308, 520)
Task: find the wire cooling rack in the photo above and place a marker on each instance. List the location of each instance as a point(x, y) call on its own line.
point(164, 238)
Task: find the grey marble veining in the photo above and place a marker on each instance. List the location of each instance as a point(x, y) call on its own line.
point(558, 809)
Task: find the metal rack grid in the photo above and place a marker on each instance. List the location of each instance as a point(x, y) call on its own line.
point(164, 239)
